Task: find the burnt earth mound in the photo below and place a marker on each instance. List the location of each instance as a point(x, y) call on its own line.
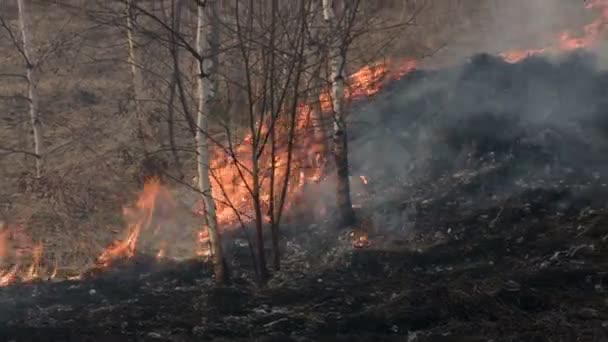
point(488, 199)
point(541, 111)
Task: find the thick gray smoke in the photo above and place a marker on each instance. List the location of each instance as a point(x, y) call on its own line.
point(544, 113)
point(546, 116)
point(496, 26)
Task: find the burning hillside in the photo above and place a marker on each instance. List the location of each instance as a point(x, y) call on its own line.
point(489, 224)
point(546, 110)
point(568, 41)
point(480, 191)
point(231, 181)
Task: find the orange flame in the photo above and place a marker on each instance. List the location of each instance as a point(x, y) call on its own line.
point(15, 245)
point(54, 272)
point(204, 249)
point(9, 277)
point(121, 249)
point(34, 269)
point(231, 172)
point(155, 199)
point(567, 41)
point(162, 252)
point(4, 243)
point(231, 177)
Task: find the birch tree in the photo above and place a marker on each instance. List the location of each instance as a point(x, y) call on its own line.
point(337, 59)
point(32, 92)
point(147, 132)
point(136, 77)
point(207, 41)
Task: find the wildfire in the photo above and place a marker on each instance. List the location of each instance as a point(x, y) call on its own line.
point(231, 175)
point(121, 249)
point(203, 249)
point(34, 269)
point(231, 178)
point(14, 248)
point(9, 277)
point(154, 203)
point(162, 252)
point(567, 41)
point(360, 239)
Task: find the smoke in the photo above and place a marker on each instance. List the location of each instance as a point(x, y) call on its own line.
point(532, 23)
point(496, 26)
point(546, 115)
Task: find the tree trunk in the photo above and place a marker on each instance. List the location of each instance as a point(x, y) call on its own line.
point(31, 86)
point(337, 61)
point(318, 152)
point(144, 129)
point(176, 15)
point(259, 221)
point(207, 41)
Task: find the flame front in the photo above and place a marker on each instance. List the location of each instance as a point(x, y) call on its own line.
point(34, 269)
point(567, 41)
point(231, 172)
point(154, 197)
point(231, 177)
point(121, 249)
point(16, 250)
point(232, 180)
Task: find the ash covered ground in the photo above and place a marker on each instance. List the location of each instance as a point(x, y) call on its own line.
point(486, 209)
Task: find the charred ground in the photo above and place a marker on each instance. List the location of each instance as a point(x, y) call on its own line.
point(486, 206)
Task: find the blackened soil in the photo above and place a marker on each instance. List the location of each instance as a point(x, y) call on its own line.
point(535, 273)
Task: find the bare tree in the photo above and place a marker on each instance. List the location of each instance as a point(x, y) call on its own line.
point(270, 39)
point(207, 41)
point(136, 86)
point(32, 96)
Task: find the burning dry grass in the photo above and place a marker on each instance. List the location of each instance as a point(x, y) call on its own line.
point(156, 209)
point(150, 222)
point(20, 257)
point(568, 41)
point(153, 216)
point(231, 183)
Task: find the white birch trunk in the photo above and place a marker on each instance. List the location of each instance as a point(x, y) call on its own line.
point(207, 47)
point(337, 60)
point(31, 86)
